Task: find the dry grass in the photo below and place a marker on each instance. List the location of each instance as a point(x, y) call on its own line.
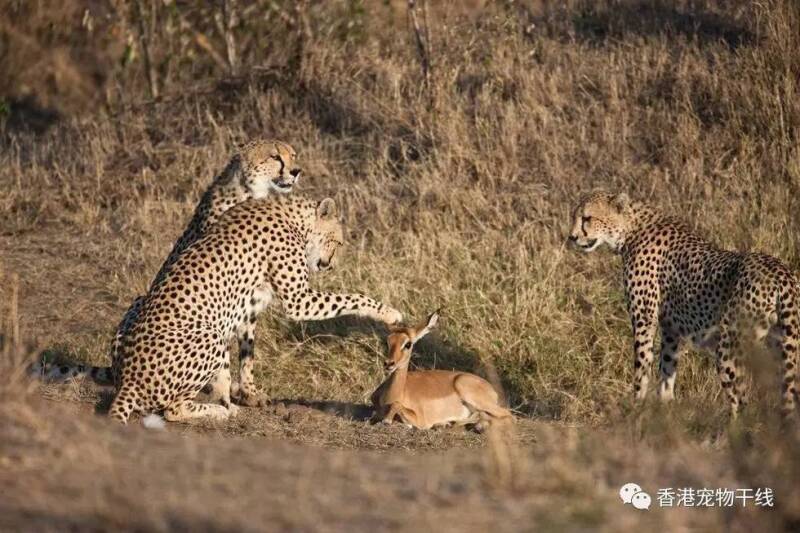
point(455, 196)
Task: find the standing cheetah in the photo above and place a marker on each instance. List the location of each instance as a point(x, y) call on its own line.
point(260, 168)
point(178, 342)
point(691, 290)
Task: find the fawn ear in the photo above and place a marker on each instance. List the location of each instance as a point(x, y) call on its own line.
point(426, 328)
point(326, 209)
point(621, 201)
point(433, 319)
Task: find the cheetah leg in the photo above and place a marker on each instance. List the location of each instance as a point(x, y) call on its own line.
point(789, 384)
point(301, 302)
point(790, 325)
point(644, 330)
point(314, 305)
point(124, 404)
point(214, 351)
point(221, 388)
point(726, 363)
point(125, 325)
point(189, 410)
point(246, 392)
point(351, 304)
point(672, 348)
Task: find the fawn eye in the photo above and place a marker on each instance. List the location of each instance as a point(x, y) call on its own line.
point(407, 345)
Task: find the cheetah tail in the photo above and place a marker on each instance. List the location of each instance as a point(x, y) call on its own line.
point(53, 373)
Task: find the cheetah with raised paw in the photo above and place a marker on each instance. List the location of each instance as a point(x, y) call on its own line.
point(690, 290)
point(178, 342)
point(259, 169)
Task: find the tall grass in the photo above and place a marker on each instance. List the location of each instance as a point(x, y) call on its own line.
point(456, 193)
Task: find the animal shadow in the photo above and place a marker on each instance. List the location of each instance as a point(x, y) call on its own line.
point(104, 399)
point(327, 331)
point(432, 351)
point(595, 23)
point(357, 412)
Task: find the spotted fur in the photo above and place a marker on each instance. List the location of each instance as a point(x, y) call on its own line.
point(679, 283)
point(259, 169)
point(257, 250)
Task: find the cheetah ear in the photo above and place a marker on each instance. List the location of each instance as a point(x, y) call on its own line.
point(233, 167)
point(326, 209)
point(621, 201)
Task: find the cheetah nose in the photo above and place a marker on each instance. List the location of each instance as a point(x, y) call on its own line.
point(295, 172)
point(573, 238)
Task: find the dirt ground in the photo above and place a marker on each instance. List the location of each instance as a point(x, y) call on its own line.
point(307, 464)
point(293, 467)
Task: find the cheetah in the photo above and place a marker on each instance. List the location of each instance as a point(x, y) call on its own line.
point(260, 168)
point(693, 292)
point(216, 287)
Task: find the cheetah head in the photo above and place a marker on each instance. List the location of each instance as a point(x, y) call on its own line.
point(268, 166)
point(325, 238)
point(600, 218)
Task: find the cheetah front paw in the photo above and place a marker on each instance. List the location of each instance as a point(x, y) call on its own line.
point(233, 409)
point(248, 399)
point(389, 315)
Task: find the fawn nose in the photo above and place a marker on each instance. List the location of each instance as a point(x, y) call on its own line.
point(295, 172)
point(573, 238)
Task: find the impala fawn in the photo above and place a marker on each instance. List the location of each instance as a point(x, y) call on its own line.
point(428, 398)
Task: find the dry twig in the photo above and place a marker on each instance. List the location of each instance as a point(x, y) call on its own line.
point(422, 38)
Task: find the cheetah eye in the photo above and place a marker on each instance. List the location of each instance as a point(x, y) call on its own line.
point(587, 220)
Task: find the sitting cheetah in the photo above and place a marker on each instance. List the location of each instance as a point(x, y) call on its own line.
point(178, 342)
point(260, 168)
point(691, 290)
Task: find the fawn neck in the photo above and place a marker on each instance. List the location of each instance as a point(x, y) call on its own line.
point(397, 385)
